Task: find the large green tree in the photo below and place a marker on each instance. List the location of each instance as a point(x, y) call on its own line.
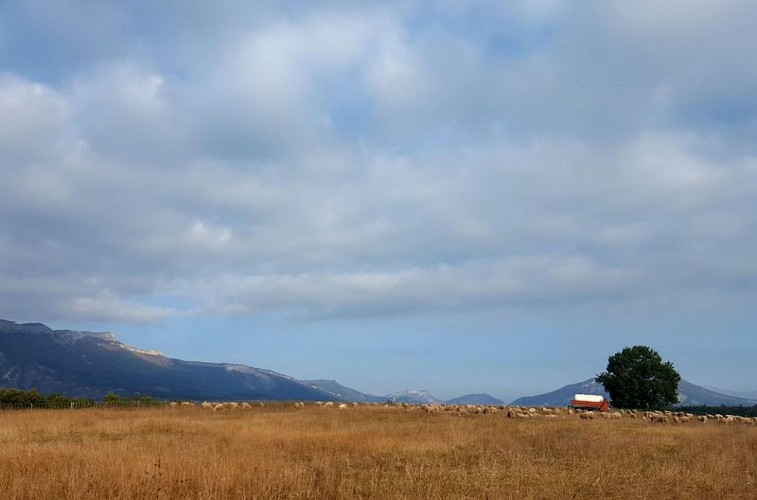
point(636, 377)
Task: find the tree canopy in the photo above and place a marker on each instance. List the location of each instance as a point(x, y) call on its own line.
point(636, 377)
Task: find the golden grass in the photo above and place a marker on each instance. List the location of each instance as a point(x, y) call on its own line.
point(364, 452)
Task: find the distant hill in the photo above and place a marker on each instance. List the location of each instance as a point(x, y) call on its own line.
point(345, 393)
point(694, 395)
point(412, 396)
point(563, 395)
point(688, 394)
point(88, 364)
point(475, 399)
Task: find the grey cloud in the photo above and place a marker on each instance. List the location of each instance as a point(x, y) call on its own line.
point(132, 114)
point(32, 121)
point(369, 234)
point(507, 283)
point(449, 176)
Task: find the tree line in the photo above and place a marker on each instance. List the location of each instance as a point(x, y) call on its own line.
point(742, 411)
point(19, 398)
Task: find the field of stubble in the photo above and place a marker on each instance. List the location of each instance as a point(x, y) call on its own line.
point(364, 452)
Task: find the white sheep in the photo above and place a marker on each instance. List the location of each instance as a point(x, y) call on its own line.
point(657, 417)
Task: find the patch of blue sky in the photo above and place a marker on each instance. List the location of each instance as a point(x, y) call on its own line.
point(735, 113)
point(345, 105)
point(495, 30)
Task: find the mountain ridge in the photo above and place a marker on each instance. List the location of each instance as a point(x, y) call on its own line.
point(413, 396)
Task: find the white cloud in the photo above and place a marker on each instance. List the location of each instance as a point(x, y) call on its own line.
point(114, 309)
point(202, 234)
point(505, 283)
point(32, 119)
point(126, 112)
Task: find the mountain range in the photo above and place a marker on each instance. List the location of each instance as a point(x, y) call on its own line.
point(409, 396)
point(92, 364)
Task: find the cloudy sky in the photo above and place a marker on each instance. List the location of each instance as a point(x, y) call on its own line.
point(456, 196)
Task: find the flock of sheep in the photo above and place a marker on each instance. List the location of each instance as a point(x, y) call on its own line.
point(521, 412)
point(514, 412)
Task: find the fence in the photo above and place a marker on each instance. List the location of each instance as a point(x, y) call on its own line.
point(80, 404)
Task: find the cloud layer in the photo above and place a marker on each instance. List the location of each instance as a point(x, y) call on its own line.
point(319, 160)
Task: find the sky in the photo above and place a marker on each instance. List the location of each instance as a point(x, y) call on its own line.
point(455, 196)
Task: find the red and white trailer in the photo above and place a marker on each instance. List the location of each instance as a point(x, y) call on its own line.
point(589, 402)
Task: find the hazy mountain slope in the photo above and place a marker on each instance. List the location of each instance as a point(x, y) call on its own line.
point(475, 399)
point(345, 393)
point(694, 395)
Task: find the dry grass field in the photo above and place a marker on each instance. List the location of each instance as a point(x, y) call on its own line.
point(365, 452)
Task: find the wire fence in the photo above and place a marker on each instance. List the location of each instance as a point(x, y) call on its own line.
point(74, 405)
